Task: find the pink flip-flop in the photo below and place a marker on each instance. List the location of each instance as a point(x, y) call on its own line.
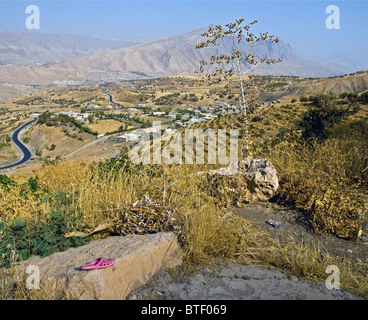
point(98, 264)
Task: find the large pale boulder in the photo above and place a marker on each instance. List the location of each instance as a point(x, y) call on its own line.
point(246, 181)
point(260, 177)
point(137, 259)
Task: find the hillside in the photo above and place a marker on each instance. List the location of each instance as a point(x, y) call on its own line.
point(25, 56)
point(178, 55)
point(56, 141)
point(336, 85)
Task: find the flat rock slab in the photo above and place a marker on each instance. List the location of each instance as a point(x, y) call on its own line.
point(137, 259)
point(236, 282)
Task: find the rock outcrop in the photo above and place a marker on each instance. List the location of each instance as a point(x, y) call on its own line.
point(260, 177)
point(246, 181)
point(137, 259)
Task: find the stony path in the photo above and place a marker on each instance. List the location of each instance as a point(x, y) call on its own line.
point(236, 282)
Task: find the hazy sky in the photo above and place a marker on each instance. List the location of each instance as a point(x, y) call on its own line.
point(299, 23)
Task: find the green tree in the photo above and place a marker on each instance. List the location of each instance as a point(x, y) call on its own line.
point(321, 117)
point(234, 42)
point(90, 118)
point(364, 97)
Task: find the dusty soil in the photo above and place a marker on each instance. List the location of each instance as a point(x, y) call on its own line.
point(240, 282)
point(297, 227)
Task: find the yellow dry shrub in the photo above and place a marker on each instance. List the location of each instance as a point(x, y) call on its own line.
point(342, 212)
point(15, 204)
point(63, 175)
point(325, 181)
point(102, 195)
point(94, 194)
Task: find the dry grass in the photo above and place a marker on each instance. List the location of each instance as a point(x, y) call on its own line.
point(305, 261)
point(65, 175)
point(326, 182)
point(104, 126)
point(17, 205)
point(15, 287)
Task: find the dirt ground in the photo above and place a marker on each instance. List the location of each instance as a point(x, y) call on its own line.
point(297, 228)
point(231, 281)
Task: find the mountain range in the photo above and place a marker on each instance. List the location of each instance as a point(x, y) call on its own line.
point(40, 59)
point(178, 55)
point(35, 47)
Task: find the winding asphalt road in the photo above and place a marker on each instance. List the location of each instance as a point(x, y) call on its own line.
point(26, 153)
point(110, 99)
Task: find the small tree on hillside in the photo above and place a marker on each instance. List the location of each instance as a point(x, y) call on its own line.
point(322, 116)
point(233, 59)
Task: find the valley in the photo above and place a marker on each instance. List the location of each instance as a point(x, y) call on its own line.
point(111, 110)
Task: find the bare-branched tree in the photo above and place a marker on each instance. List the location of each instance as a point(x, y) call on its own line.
point(234, 59)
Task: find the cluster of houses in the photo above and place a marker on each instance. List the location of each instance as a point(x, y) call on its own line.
point(205, 113)
point(191, 114)
point(187, 116)
point(136, 136)
point(77, 116)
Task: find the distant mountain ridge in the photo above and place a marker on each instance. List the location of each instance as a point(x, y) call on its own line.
point(178, 55)
point(37, 47)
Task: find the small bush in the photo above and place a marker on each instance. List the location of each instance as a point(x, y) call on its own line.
point(19, 239)
point(6, 182)
point(323, 115)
